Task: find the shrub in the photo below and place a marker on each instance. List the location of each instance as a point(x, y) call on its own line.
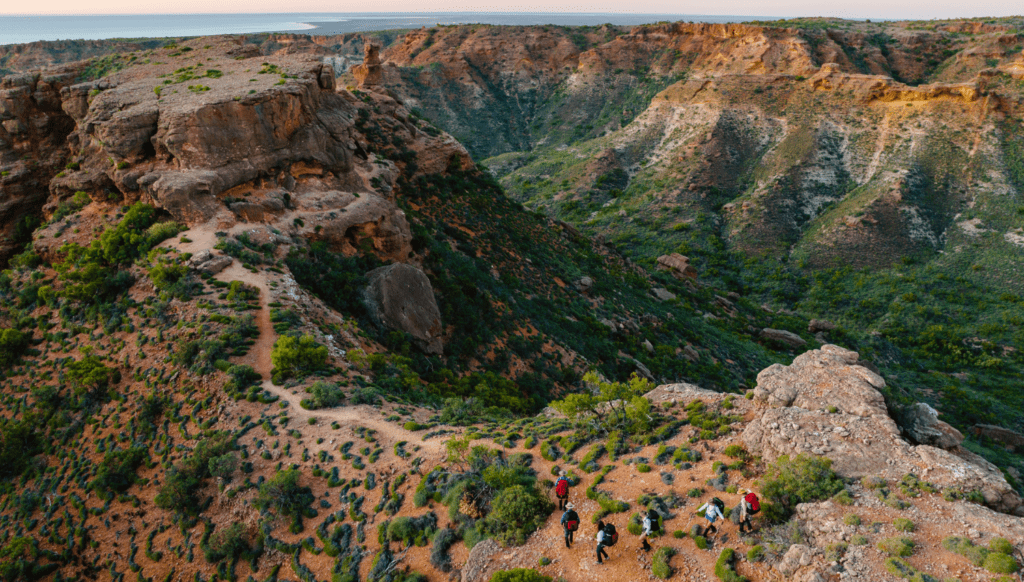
point(660, 566)
point(859, 540)
point(520, 575)
point(679, 534)
point(117, 470)
point(803, 479)
point(897, 546)
point(904, 525)
point(90, 376)
point(724, 568)
point(516, 512)
point(1000, 563)
point(1001, 545)
point(231, 543)
point(616, 405)
point(966, 548)
point(852, 519)
point(755, 554)
point(701, 542)
point(323, 395)
point(735, 451)
point(643, 468)
point(296, 357)
point(283, 493)
point(13, 344)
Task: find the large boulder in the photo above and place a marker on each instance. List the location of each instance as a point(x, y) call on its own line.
point(400, 297)
point(370, 73)
point(677, 265)
point(923, 425)
point(826, 404)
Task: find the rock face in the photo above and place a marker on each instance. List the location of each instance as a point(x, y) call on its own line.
point(32, 132)
point(1007, 437)
point(478, 560)
point(677, 265)
point(923, 425)
point(400, 297)
point(370, 73)
point(784, 337)
point(818, 325)
point(209, 263)
point(826, 404)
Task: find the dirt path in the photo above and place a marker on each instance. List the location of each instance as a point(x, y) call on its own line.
point(259, 357)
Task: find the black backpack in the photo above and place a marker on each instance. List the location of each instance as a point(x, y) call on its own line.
point(719, 503)
point(572, 520)
point(654, 517)
point(610, 535)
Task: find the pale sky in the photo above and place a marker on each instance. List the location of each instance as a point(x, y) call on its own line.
point(902, 9)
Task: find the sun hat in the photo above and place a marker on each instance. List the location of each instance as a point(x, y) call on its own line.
point(570, 506)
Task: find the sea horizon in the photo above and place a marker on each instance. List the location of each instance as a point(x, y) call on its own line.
point(21, 29)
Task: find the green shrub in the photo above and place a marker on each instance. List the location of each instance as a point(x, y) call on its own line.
point(643, 468)
point(13, 344)
point(117, 470)
point(724, 568)
point(966, 548)
point(520, 575)
point(736, 452)
point(903, 525)
point(679, 534)
point(852, 519)
point(701, 542)
point(323, 395)
point(1000, 563)
point(788, 482)
point(859, 540)
point(660, 566)
point(755, 554)
point(897, 546)
point(1001, 545)
point(283, 493)
point(297, 357)
point(517, 511)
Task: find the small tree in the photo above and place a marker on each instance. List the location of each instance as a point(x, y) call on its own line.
point(294, 356)
point(803, 479)
point(610, 405)
point(284, 494)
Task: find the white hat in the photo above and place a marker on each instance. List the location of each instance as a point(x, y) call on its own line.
point(570, 506)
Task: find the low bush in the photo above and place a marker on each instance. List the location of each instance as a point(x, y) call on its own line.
point(790, 481)
point(13, 344)
point(724, 568)
point(755, 554)
point(660, 566)
point(897, 546)
point(323, 395)
point(904, 525)
point(283, 493)
point(519, 575)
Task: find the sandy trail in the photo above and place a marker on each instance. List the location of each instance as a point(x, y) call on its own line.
point(876, 158)
point(259, 357)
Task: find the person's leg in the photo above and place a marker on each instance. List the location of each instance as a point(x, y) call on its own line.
point(710, 529)
point(572, 535)
point(647, 546)
point(599, 550)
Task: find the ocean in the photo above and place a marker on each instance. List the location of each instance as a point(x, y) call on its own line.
point(23, 29)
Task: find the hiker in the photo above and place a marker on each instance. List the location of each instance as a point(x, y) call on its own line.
point(606, 537)
point(749, 506)
point(712, 512)
point(649, 523)
point(562, 489)
point(570, 523)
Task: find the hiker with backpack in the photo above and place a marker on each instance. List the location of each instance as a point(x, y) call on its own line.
point(712, 511)
point(649, 523)
point(562, 490)
point(570, 523)
point(606, 538)
point(749, 506)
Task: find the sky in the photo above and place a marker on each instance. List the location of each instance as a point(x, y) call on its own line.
point(891, 9)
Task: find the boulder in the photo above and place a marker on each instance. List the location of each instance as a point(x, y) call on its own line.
point(921, 422)
point(796, 557)
point(1005, 436)
point(677, 265)
point(400, 297)
point(826, 404)
point(209, 263)
point(479, 559)
point(818, 325)
point(663, 294)
point(783, 337)
point(584, 284)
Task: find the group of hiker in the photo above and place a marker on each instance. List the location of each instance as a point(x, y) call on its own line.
point(607, 536)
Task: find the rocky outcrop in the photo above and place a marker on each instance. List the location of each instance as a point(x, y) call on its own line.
point(678, 265)
point(400, 297)
point(479, 560)
point(370, 73)
point(818, 325)
point(825, 404)
point(32, 132)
